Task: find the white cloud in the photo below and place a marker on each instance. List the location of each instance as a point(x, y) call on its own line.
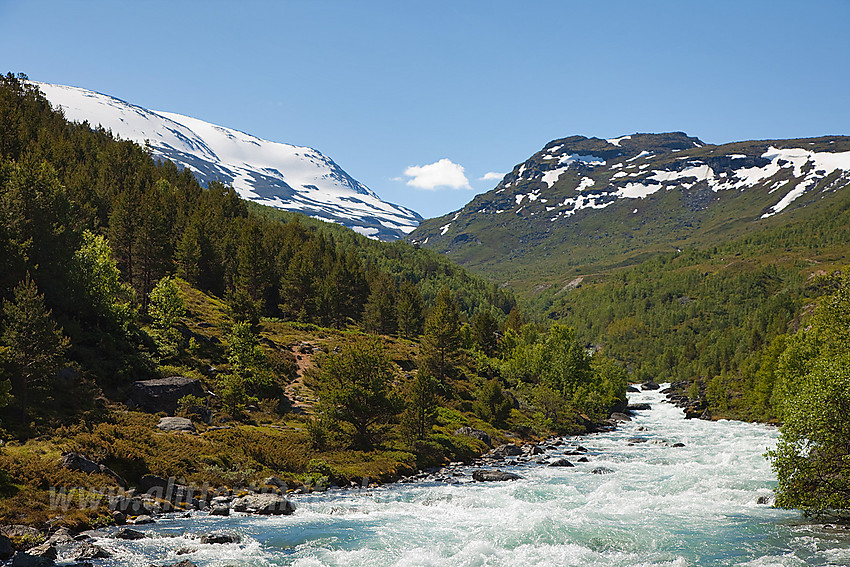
point(492, 176)
point(443, 173)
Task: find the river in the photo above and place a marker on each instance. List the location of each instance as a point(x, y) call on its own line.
point(696, 505)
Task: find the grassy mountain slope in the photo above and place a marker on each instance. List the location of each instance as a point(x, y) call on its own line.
point(572, 209)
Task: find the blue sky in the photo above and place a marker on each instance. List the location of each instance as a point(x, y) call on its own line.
point(403, 95)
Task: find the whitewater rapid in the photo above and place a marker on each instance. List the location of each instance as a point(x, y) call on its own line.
point(700, 504)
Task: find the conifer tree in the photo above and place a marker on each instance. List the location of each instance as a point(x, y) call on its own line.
point(420, 413)
point(35, 346)
point(379, 313)
point(409, 310)
point(441, 340)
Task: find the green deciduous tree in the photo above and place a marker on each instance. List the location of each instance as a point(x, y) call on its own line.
point(812, 457)
point(98, 277)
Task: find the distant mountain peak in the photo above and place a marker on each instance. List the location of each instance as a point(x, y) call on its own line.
point(293, 178)
point(593, 200)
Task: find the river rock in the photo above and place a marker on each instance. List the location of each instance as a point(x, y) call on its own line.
point(162, 394)
point(601, 470)
point(221, 538)
point(649, 385)
point(639, 407)
point(27, 559)
point(183, 563)
point(508, 450)
point(275, 481)
point(677, 445)
point(617, 416)
point(632, 389)
point(18, 530)
point(128, 533)
point(561, 463)
point(265, 504)
point(482, 475)
point(475, 434)
point(532, 449)
point(176, 424)
point(88, 550)
point(142, 520)
point(220, 510)
point(61, 536)
point(6, 549)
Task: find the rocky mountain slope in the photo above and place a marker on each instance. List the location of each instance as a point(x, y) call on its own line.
point(584, 204)
point(281, 175)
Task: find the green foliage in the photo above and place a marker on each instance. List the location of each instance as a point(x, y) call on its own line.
point(812, 457)
point(355, 390)
point(485, 331)
point(35, 346)
point(441, 340)
point(420, 413)
point(812, 460)
point(99, 277)
point(491, 404)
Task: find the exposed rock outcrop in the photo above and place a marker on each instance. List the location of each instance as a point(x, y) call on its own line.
point(162, 394)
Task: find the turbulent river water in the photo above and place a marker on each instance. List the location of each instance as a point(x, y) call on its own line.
point(696, 505)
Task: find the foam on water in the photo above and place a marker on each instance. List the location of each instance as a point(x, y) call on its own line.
point(667, 506)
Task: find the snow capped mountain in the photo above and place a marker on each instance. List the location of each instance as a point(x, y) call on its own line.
point(280, 175)
point(591, 198)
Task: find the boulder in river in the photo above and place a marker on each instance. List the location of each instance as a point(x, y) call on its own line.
point(617, 416)
point(6, 549)
point(221, 537)
point(88, 550)
point(128, 533)
point(601, 470)
point(561, 463)
point(508, 450)
point(264, 504)
point(649, 385)
point(220, 510)
point(639, 407)
point(482, 475)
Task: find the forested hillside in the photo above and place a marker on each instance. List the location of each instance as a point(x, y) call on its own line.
point(314, 353)
point(709, 315)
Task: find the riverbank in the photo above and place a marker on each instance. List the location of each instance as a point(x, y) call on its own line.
point(700, 503)
point(157, 499)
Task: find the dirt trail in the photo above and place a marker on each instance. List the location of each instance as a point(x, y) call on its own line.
point(301, 396)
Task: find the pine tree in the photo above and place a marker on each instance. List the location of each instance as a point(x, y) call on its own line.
point(485, 331)
point(35, 345)
point(420, 415)
point(379, 313)
point(409, 310)
point(441, 341)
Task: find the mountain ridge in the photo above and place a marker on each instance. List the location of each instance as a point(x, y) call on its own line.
point(284, 176)
point(584, 204)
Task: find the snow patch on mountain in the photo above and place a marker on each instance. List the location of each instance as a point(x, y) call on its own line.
point(284, 176)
